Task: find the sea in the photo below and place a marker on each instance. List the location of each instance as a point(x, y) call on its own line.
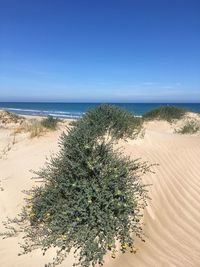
point(76, 110)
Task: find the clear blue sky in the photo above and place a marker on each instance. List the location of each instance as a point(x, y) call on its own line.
point(100, 50)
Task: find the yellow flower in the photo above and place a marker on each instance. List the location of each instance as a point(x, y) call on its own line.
point(32, 215)
point(63, 237)
point(118, 193)
point(28, 198)
point(78, 219)
point(113, 255)
point(47, 216)
point(124, 246)
point(109, 246)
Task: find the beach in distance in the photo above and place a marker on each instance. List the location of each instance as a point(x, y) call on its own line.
point(171, 219)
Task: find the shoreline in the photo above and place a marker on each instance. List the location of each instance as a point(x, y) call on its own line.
point(41, 113)
point(38, 116)
point(76, 110)
point(64, 117)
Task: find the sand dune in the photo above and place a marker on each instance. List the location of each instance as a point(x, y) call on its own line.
point(172, 218)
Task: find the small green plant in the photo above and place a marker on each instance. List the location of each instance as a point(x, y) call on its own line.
point(167, 113)
point(50, 122)
point(91, 197)
point(190, 127)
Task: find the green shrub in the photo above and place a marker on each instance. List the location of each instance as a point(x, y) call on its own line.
point(190, 127)
point(110, 120)
point(92, 197)
point(50, 122)
point(168, 113)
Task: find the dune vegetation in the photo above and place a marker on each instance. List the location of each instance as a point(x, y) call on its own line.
point(91, 197)
point(189, 127)
point(7, 117)
point(37, 128)
point(167, 113)
point(50, 122)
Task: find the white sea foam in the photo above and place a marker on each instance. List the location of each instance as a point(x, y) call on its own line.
point(34, 112)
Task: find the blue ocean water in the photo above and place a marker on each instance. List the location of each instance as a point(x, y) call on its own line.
point(76, 110)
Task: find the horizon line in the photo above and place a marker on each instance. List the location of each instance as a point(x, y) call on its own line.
point(109, 102)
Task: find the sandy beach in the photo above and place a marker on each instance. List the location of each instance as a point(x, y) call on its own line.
point(171, 221)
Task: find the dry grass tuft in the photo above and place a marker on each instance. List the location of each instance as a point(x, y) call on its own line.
point(33, 127)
